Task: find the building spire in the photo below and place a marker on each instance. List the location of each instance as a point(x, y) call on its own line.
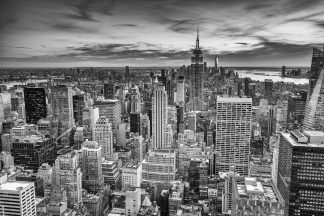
point(197, 40)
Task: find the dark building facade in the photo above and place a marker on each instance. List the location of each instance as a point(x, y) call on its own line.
point(135, 123)
point(32, 151)
point(296, 109)
point(109, 90)
point(300, 173)
point(268, 88)
point(78, 106)
point(35, 104)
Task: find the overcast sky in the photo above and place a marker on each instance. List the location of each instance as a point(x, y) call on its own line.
point(69, 33)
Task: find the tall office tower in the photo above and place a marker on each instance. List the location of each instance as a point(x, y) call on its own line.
point(233, 134)
point(62, 105)
point(104, 136)
point(92, 178)
point(145, 126)
point(159, 115)
point(247, 86)
point(135, 100)
point(168, 136)
point(110, 109)
point(2, 116)
point(18, 198)
point(296, 109)
point(159, 168)
point(180, 92)
point(275, 158)
point(283, 71)
point(45, 172)
point(239, 89)
point(268, 88)
point(109, 90)
point(78, 106)
point(280, 118)
point(31, 151)
point(195, 78)
point(316, 68)
point(127, 75)
point(93, 118)
point(180, 119)
point(192, 121)
point(216, 64)
point(35, 104)
point(133, 201)
point(67, 174)
point(15, 101)
point(135, 122)
point(300, 172)
point(314, 111)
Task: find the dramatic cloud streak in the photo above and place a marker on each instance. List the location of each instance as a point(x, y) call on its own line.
point(153, 32)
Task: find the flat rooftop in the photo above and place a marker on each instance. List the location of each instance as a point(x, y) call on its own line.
point(294, 142)
point(29, 139)
point(255, 189)
point(14, 186)
point(233, 99)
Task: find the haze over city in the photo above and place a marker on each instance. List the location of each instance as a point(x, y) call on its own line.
point(100, 33)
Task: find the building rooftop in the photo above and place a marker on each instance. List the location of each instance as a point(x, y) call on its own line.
point(132, 165)
point(233, 99)
point(30, 139)
point(314, 139)
point(15, 186)
point(256, 189)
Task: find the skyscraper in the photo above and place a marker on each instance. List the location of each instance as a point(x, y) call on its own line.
point(314, 111)
point(110, 109)
point(92, 178)
point(159, 116)
point(35, 104)
point(135, 122)
point(180, 92)
point(62, 105)
point(268, 88)
point(233, 133)
point(109, 90)
point(67, 174)
point(78, 106)
point(104, 136)
point(195, 78)
point(300, 172)
point(316, 68)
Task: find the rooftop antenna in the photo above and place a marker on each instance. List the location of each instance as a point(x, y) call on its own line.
point(197, 41)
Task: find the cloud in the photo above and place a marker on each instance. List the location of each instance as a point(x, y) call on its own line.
point(71, 27)
point(258, 6)
point(126, 25)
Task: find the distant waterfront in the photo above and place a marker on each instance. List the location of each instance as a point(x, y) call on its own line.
point(261, 75)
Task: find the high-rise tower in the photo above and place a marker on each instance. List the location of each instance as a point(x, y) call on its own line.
point(233, 134)
point(316, 68)
point(159, 116)
point(104, 136)
point(62, 105)
point(195, 77)
point(35, 104)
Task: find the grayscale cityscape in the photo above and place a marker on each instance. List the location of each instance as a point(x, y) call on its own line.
point(161, 107)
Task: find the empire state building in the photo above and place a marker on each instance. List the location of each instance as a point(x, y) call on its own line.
point(195, 77)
